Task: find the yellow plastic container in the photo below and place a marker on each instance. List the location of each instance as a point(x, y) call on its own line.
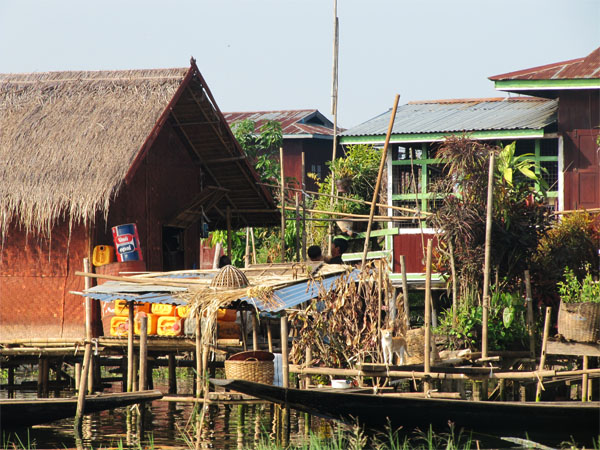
point(162, 309)
point(119, 326)
point(152, 321)
point(103, 254)
point(169, 326)
point(182, 311)
point(122, 309)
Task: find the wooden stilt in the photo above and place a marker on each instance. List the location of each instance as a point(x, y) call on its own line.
point(585, 394)
point(405, 291)
point(540, 386)
point(254, 331)
point(427, 343)
point(282, 206)
point(87, 355)
point(143, 352)
point(199, 373)
point(11, 381)
point(285, 364)
point(77, 375)
point(135, 386)
point(530, 325)
point(172, 374)
point(130, 327)
point(486, 267)
point(269, 336)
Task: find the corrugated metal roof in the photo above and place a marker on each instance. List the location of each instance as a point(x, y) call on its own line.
point(293, 122)
point(286, 297)
point(457, 116)
point(587, 67)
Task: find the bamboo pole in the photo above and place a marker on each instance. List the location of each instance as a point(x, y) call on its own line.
point(529, 302)
point(216, 256)
point(527, 375)
point(199, 373)
point(253, 246)
point(269, 336)
point(380, 295)
point(585, 389)
point(130, 328)
point(405, 291)
point(247, 251)
point(486, 267)
point(297, 229)
point(143, 382)
point(285, 364)
point(454, 285)
point(354, 200)
point(540, 386)
point(427, 349)
point(88, 324)
point(254, 331)
point(303, 209)
point(282, 206)
point(229, 232)
point(378, 182)
point(87, 355)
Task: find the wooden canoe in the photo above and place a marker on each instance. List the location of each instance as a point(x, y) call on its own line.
point(550, 422)
point(25, 412)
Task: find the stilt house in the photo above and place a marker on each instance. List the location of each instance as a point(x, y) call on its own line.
point(81, 152)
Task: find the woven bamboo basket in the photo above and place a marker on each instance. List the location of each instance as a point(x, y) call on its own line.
point(579, 321)
point(230, 277)
point(250, 370)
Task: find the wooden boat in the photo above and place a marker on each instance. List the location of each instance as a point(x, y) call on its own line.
point(549, 422)
point(25, 412)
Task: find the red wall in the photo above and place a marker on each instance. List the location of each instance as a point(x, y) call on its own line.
point(36, 275)
point(410, 245)
point(316, 151)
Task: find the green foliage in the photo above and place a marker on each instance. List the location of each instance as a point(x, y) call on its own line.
point(571, 243)
point(507, 325)
point(574, 291)
point(519, 214)
point(261, 147)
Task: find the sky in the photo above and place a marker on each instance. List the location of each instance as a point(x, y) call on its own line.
point(260, 55)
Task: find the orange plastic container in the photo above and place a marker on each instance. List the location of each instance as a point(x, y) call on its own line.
point(103, 254)
point(162, 309)
point(169, 326)
point(182, 311)
point(152, 321)
point(119, 326)
point(122, 309)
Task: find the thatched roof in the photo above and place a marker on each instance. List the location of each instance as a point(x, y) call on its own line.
point(70, 140)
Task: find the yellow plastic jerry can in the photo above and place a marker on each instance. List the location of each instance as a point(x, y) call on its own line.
point(103, 254)
point(169, 326)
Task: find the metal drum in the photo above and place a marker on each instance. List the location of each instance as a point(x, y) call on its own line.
point(127, 243)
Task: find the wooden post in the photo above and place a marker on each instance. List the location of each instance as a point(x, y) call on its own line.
point(454, 285)
point(297, 228)
point(529, 302)
point(172, 374)
point(282, 206)
point(83, 386)
point(88, 323)
point(405, 291)
point(143, 352)
point(229, 232)
point(379, 295)
point(130, 328)
point(254, 331)
point(247, 252)
point(585, 391)
point(253, 246)
point(308, 354)
point(427, 349)
point(217, 255)
point(135, 386)
point(486, 267)
point(199, 373)
point(269, 336)
point(378, 182)
point(11, 381)
point(303, 209)
point(538, 391)
point(77, 375)
point(285, 364)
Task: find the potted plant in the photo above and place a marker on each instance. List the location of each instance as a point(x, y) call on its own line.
point(579, 313)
